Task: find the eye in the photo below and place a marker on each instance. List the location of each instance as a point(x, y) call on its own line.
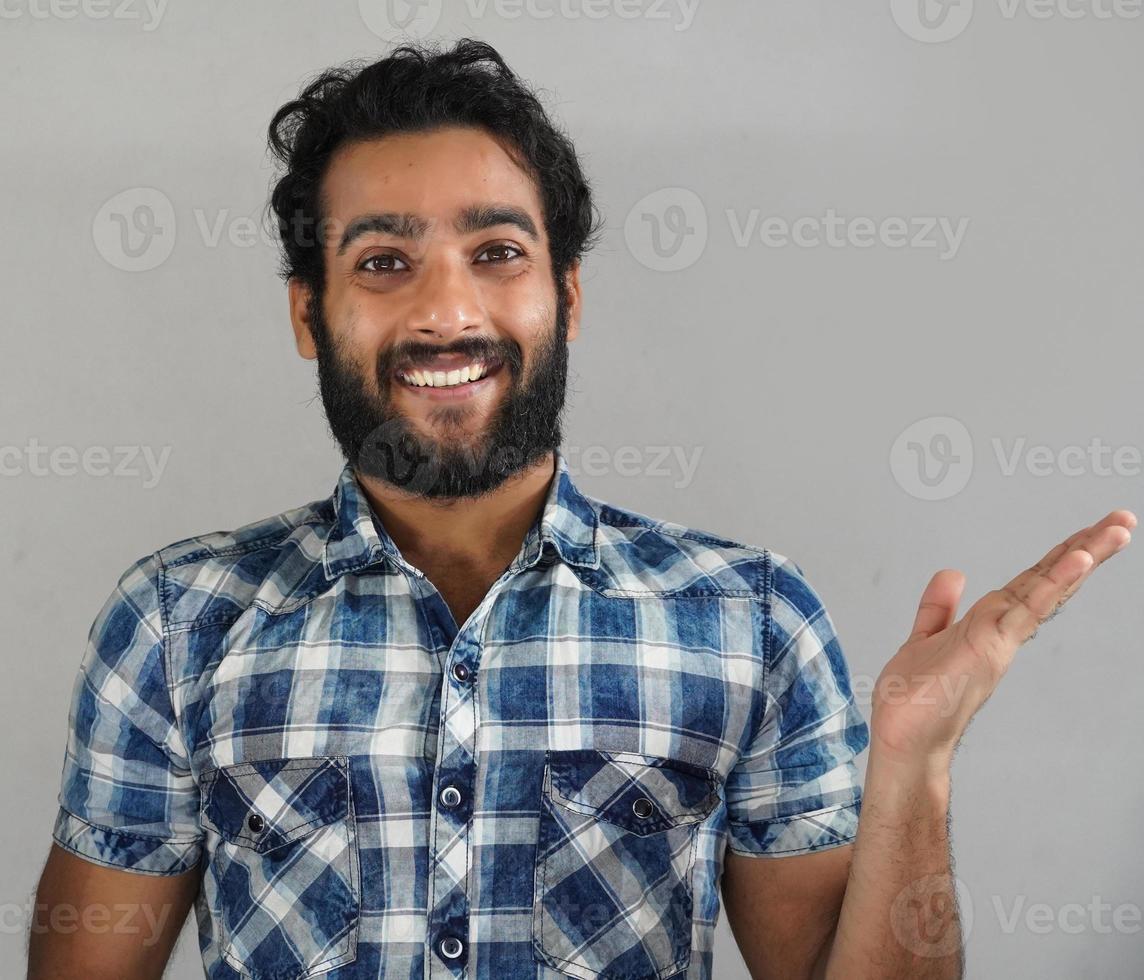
point(383, 257)
point(503, 247)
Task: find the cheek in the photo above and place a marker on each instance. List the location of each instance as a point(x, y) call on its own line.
point(367, 334)
point(530, 325)
point(523, 304)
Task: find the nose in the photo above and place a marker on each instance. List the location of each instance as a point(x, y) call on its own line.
point(446, 301)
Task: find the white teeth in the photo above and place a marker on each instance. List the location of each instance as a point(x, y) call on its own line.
point(446, 379)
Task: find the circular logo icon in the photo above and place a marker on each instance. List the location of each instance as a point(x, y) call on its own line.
point(135, 230)
point(391, 453)
point(922, 913)
point(933, 458)
point(389, 18)
point(932, 21)
point(667, 230)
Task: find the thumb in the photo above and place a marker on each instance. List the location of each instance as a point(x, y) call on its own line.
point(938, 605)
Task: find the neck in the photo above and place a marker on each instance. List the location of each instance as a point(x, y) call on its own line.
point(485, 531)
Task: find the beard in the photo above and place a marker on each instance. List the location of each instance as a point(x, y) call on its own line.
point(378, 440)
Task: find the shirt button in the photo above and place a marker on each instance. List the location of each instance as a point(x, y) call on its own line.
point(255, 822)
point(451, 947)
point(642, 807)
point(460, 673)
point(450, 797)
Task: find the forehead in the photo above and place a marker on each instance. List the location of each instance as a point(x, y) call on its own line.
point(433, 174)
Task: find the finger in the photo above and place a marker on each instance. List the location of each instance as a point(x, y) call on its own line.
point(1107, 542)
point(1113, 540)
point(1117, 518)
point(938, 605)
point(1024, 614)
point(1102, 539)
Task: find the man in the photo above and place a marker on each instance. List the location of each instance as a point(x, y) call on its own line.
point(461, 719)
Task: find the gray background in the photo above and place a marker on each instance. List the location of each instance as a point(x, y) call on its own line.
point(793, 371)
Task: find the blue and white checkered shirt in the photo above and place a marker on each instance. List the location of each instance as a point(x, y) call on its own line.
point(368, 790)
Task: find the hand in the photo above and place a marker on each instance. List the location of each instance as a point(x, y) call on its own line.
point(928, 692)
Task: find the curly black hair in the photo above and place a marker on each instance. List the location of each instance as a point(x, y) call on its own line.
point(415, 89)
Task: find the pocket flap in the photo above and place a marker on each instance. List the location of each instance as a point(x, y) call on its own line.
point(642, 794)
point(272, 802)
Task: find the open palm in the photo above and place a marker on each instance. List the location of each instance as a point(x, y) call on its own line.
point(945, 671)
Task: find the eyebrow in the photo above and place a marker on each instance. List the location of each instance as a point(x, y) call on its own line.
point(475, 217)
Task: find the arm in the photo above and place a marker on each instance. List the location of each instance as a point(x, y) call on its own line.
point(782, 910)
point(124, 866)
point(103, 923)
point(794, 796)
point(786, 912)
point(898, 916)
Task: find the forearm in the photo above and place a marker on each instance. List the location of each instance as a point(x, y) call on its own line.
point(899, 914)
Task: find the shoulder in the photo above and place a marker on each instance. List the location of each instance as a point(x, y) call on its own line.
point(215, 576)
point(641, 553)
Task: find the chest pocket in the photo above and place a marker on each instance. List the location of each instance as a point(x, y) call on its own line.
point(616, 847)
point(282, 881)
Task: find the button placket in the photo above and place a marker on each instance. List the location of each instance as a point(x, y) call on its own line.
point(456, 774)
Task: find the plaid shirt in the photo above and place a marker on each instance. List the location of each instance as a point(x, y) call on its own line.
point(368, 790)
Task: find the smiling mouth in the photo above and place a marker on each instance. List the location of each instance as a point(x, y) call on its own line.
point(456, 377)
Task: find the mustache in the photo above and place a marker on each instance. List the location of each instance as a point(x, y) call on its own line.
point(472, 348)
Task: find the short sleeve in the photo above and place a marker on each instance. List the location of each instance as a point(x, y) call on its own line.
point(127, 797)
point(795, 788)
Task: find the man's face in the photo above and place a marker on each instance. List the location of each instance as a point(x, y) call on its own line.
point(437, 261)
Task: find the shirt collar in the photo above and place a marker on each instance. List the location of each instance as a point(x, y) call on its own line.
point(567, 523)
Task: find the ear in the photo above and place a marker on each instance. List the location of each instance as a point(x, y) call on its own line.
point(300, 295)
point(572, 280)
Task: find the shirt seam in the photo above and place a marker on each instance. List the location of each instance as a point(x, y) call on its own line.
point(269, 539)
point(787, 821)
point(768, 628)
point(164, 658)
point(129, 833)
point(805, 848)
point(767, 646)
point(794, 816)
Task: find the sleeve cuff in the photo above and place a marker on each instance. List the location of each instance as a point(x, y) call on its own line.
point(798, 834)
point(125, 851)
